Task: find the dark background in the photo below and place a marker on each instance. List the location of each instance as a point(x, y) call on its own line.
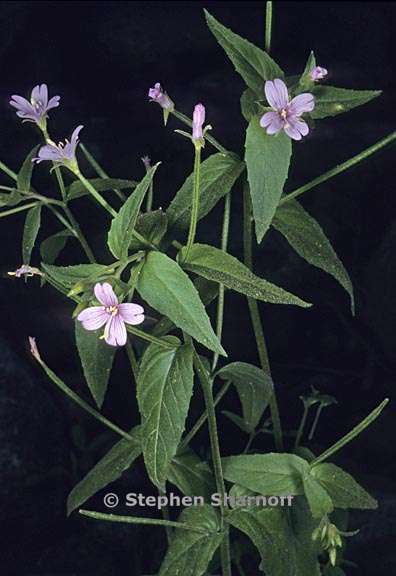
point(102, 57)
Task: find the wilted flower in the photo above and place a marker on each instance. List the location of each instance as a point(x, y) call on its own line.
point(147, 162)
point(35, 110)
point(287, 114)
point(33, 348)
point(111, 314)
point(62, 153)
point(158, 95)
point(25, 270)
point(198, 122)
point(318, 73)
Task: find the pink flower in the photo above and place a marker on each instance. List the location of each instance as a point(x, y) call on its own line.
point(287, 114)
point(318, 73)
point(198, 122)
point(111, 314)
point(158, 95)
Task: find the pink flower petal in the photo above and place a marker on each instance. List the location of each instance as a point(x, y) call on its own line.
point(292, 131)
point(276, 94)
point(105, 294)
point(93, 318)
point(115, 332)
point(302, 103)
point(131, 313)
point(272, 122)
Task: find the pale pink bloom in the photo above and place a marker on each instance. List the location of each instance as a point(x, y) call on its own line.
point(112, 315)
point(198, 122)
point(286, 113)
point(318, 73)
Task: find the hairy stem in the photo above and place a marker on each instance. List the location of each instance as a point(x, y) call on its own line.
point(202, 419)
point(137, 520)
point(186, 120)
point(82, 403)
point(220, 301)
point(195, 202)
point(255, 318)
point(268, 26)
point(351, 435)
point(99, 170)
point(216, 457)
point(340, 168)
point(301, 427)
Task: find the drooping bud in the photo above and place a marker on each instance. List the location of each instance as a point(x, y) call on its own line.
point(318, 73)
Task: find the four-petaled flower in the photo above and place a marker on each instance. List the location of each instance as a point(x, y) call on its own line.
point(35, 110)
point(287, 114)
point(198, 122)
point(158, 95)
point(318, 73)
point(111, 314)
point(62, 153)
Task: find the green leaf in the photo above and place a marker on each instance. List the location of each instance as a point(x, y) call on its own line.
point(25, 173)
point(345, 492)
point(78, 189)
point(123, 224)
point(107, 470)
point(238, 421)
point(164, 285)
point(318, 498)
point(96, 359)
point(274, 474)
point(67, 276)
point(267, 159)
point(249, 106)
point(254, 386)
point(190, 552)
point(10, 198)
point(310, 65)
point(269, 531)
point(253, 64)
point(214, 264)
point(330, 101)
point(164, 389)
point(306, 236)
point(191, 475)
point(282, 537)
point(52, 246)
point(30, 231)
point(217, 176)
point(152, 226)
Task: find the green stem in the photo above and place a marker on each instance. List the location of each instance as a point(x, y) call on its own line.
point(136, 520)
point(268, 26)
point(8, 171)
point(61, 183)
point(149, 337)
point(340, 168)
point(255, 318)
point(351, 435)
point(17, 209)
point(99, 170)
point(195, 202)
point(220, 301)
point(186, 120)
point(202, 419)
point(76, 227)
point(216, 457)
point(315, 422)
point(100, 200)
point(252, 436)
point(132, 359)
point(84, 405)
point(166, 517)
point(301, 427)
